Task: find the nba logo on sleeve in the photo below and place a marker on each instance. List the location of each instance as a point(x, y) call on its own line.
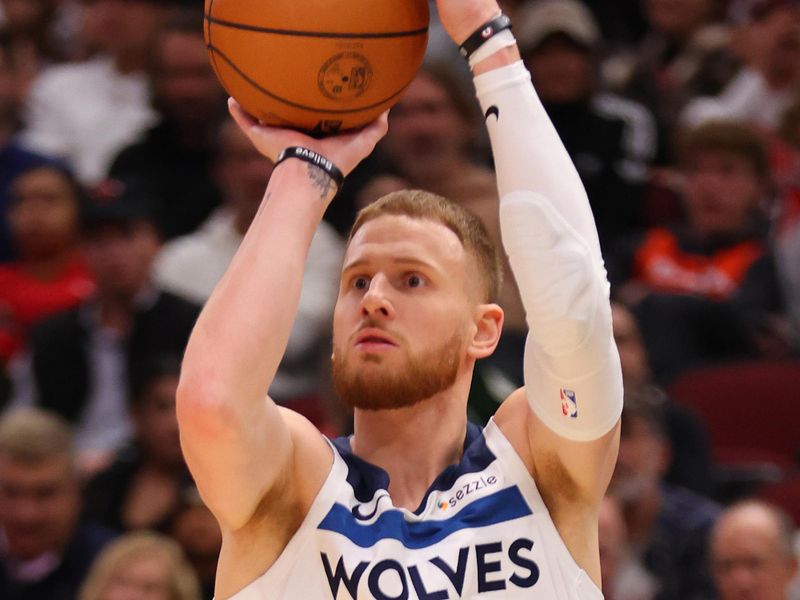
point(569, 404)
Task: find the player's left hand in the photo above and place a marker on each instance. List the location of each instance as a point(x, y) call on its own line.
point(345, 150)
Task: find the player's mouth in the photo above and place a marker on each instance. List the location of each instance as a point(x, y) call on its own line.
point(372, 339)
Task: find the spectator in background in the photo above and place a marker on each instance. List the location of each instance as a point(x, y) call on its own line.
point(14, 157)
point(752, 553)
point(175, 158)
point(786, 169)
point(141, 566)
point(79, 360)
point(768, 42)
point(50, 274)
point(142, 487)
point(685, 54)
point(47, 550)
point(28, 38)
point(624, 577)
point(192, 265)
point(703, 291)
point(87, 112)
point(689, 464)
point(559, 41)
point(668, 526)
point(196, 530)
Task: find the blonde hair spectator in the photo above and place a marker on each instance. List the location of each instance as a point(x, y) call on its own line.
point(32, 435)
point(144, 565)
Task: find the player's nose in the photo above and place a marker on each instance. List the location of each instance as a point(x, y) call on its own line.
point(376, 301)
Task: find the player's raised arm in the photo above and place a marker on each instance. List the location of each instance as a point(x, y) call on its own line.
point(237, 442)
point(572, 373)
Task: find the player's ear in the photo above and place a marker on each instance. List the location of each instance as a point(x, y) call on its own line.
point(488, 327)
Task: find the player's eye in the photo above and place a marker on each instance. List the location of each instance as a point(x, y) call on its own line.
point(413, 280)
point(361, 283)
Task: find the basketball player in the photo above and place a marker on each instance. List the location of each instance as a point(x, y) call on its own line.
point(417, 504)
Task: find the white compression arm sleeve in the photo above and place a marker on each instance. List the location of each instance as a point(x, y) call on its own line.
point(573, 378)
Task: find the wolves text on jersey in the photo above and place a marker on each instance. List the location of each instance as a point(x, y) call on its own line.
point(488, 559)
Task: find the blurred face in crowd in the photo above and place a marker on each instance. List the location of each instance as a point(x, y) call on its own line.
point(39, 505)
point(123, 27)
point(775, 37)
point(242, 173)
point(43, 215)
point(156, 422)
point(643, 459)
point(121, 256)
point(678, 18)
point(198, 533)
point(562, 70)
point(723, 192)
point(26, 16)
point(424, 128)
point(186, 89)
point(632, 351)
point(748, 559)
point(142, 577)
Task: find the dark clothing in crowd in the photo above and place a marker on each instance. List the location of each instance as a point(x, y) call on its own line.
point(676, 552)
point(69, 570)
point(60, 349)
point(178, 181)
point(691, 465)
point(607, 160)
point(14, 160)
point(106, 494)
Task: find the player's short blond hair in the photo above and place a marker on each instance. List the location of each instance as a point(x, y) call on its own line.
point(183, 583)
point(469, 229)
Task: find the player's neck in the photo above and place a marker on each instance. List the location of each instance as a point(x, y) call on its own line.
point(413, 445)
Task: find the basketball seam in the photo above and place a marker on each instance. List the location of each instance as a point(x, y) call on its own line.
point(263, 90)
point(210, 45)
point(317, 34)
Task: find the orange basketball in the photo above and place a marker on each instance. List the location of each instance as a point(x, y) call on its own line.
point(316, 65)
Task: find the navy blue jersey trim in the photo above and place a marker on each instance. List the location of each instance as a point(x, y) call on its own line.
point(366, 479)
point(502, 506)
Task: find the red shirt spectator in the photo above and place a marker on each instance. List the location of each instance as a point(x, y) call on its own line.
point(25, 299)
point(50, 274)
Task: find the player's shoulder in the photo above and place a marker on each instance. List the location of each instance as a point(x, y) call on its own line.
point(312, 454)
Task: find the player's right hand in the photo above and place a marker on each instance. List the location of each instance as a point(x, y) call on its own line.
point(345, 150)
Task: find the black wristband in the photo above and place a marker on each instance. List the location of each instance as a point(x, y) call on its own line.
point(315, 159)
point(483, 33)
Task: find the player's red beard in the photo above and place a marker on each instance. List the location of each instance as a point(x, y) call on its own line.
point(423, 376)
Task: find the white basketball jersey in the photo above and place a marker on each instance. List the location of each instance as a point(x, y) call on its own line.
point(482, 531)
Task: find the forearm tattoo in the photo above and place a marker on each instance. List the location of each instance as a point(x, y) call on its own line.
point(321, 180)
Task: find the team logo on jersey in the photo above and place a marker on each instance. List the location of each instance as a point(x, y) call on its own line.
point(569, 403)
point(361, 516)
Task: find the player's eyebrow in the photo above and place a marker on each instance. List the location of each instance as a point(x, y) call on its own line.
point(397, 260)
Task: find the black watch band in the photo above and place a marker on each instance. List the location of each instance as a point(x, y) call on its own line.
point(483, 33)
point(315, 159)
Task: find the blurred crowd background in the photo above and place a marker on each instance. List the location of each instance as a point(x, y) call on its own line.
point(125, 191)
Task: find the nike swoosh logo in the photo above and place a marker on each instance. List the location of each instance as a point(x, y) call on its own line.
point(357, 509)
point(492, 110)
